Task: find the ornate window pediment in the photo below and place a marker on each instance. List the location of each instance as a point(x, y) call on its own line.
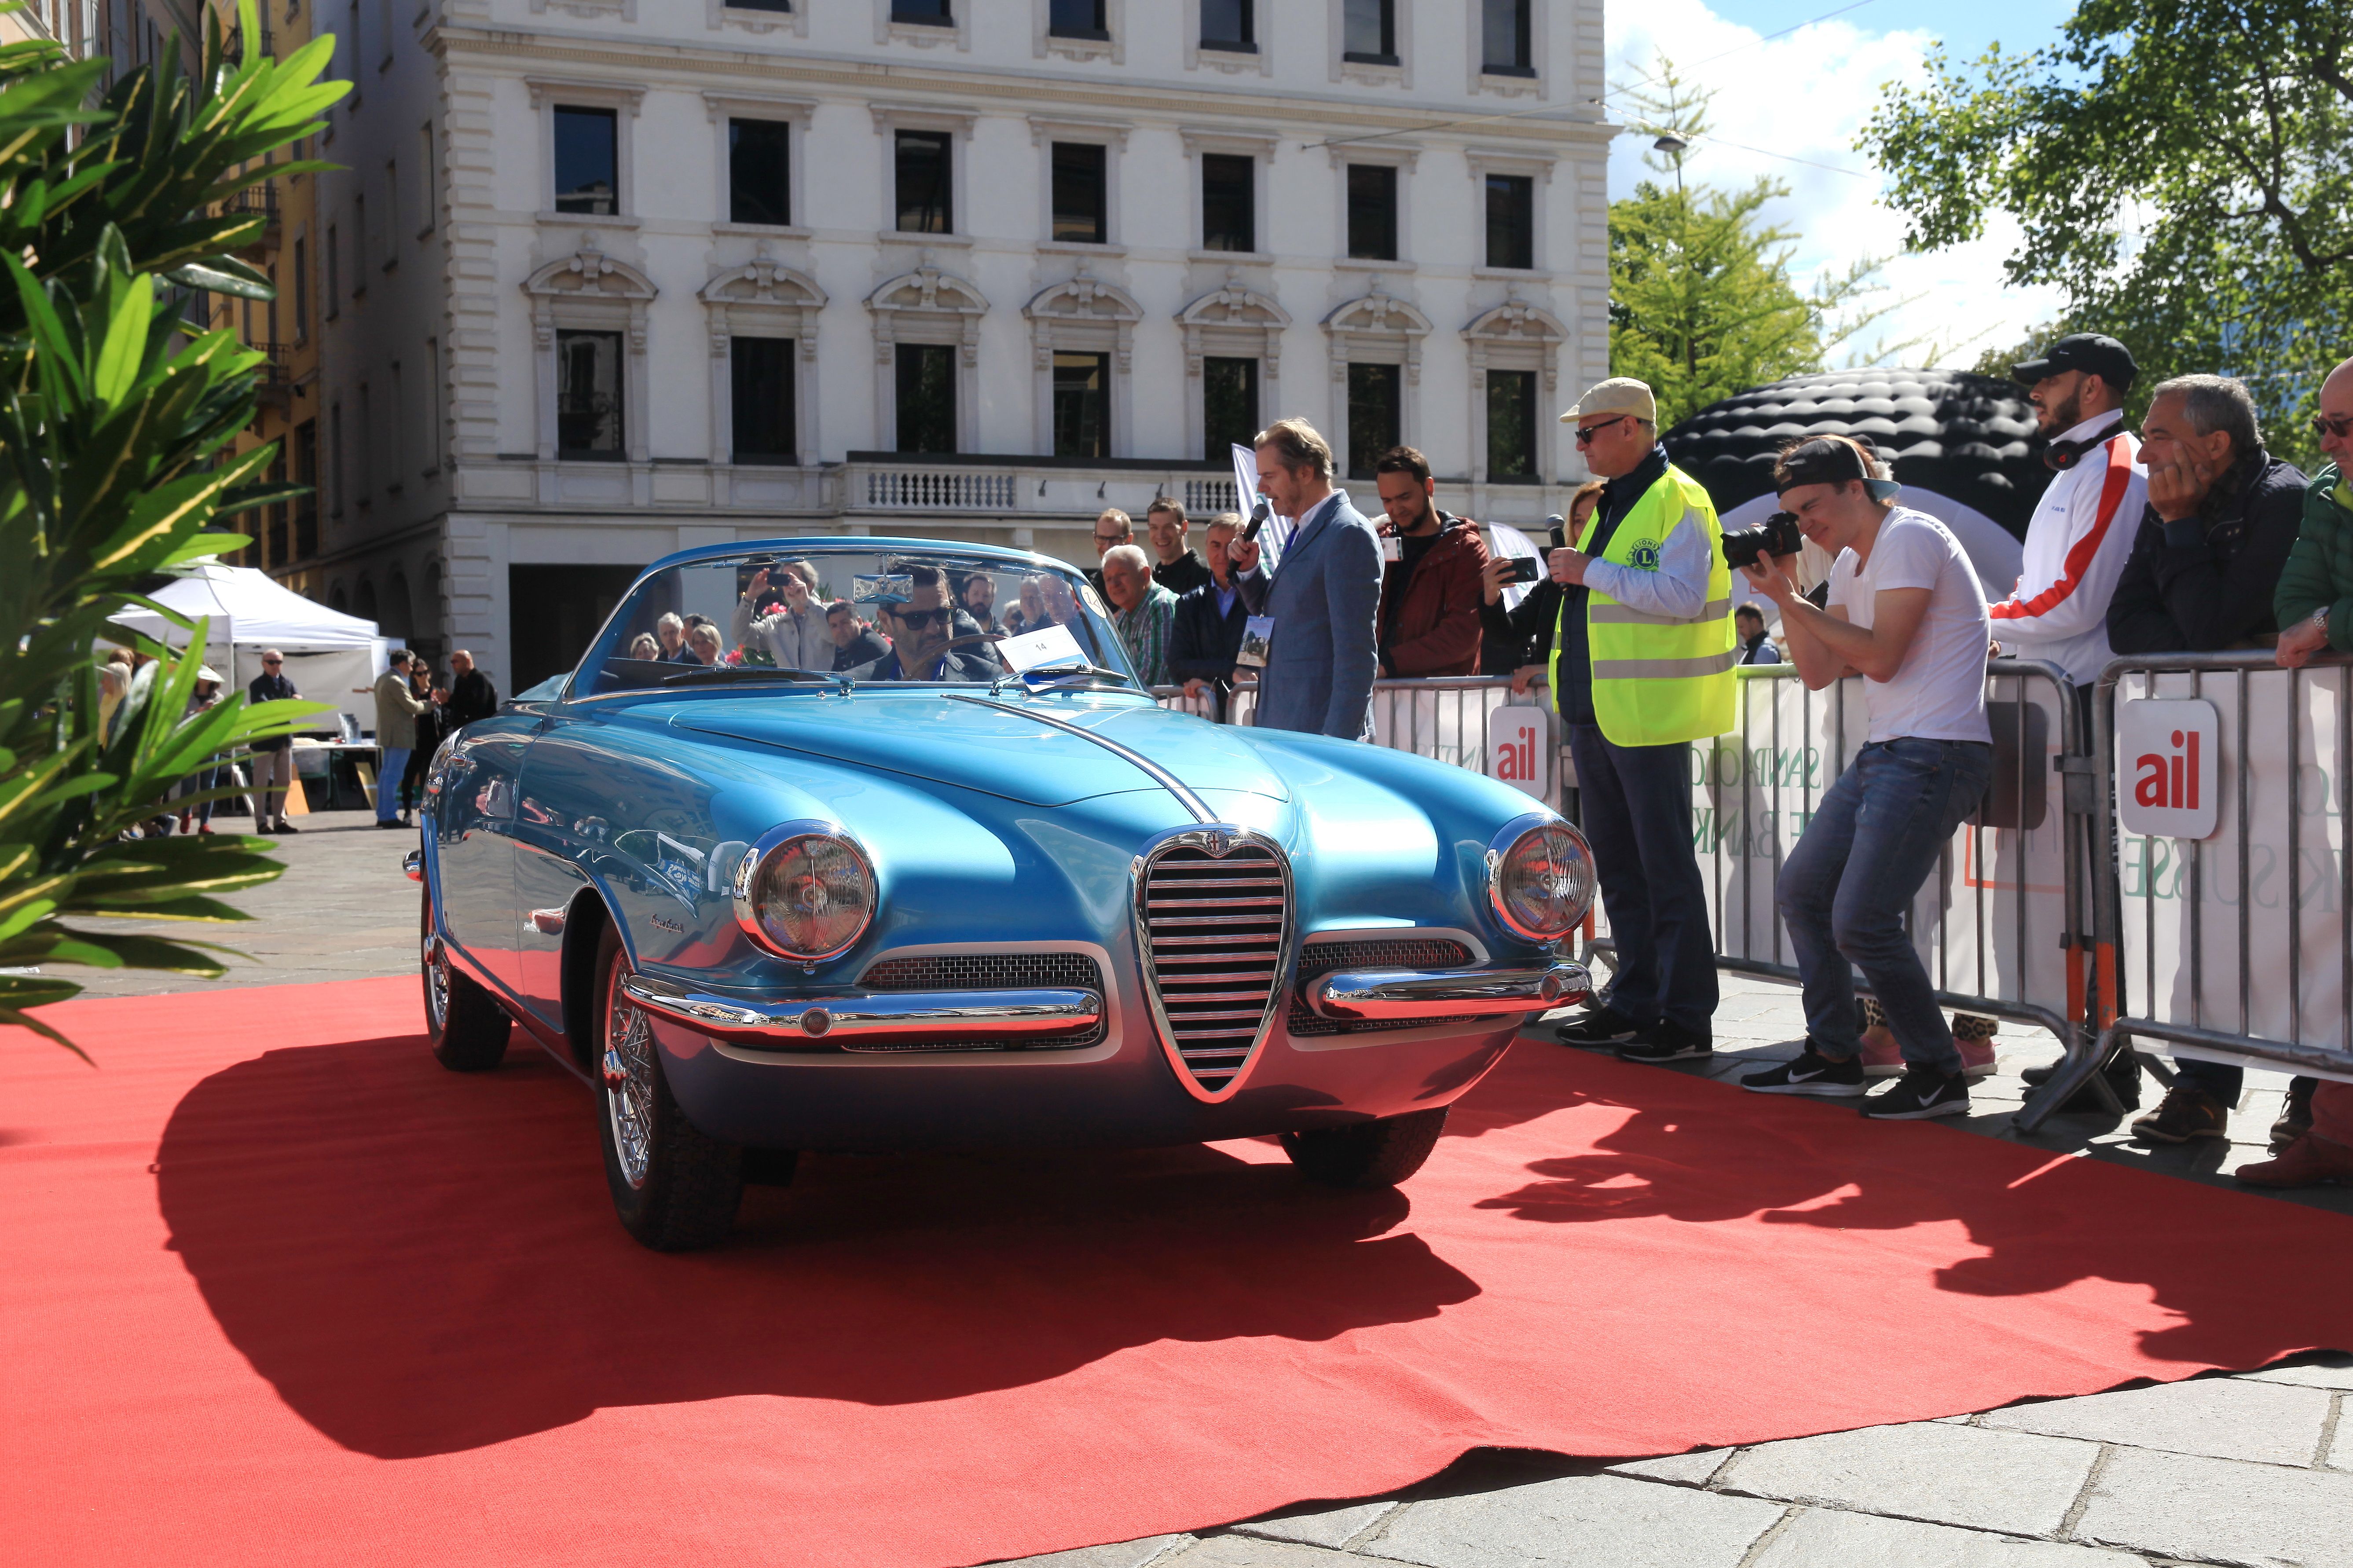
point(1233, 304)
point(1378, 326)
point(764, 282)
point(1517, 323)
point(928, 305)
point(1084, 300)
point(589, 273)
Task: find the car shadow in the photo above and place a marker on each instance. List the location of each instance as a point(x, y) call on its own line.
point(1685, 1148)
point(424, 1263)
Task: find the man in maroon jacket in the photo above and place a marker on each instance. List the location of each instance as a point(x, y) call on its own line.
point(1429, 585)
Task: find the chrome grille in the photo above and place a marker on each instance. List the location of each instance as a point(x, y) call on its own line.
point(1215, 929)
point(984, 971)
point(1318, 959)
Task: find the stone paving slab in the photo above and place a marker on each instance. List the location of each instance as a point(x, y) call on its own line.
point(1248, 1551)
point(1826, 1538)
point(2007, 1481)
point(1336, 1527)
point(2219, 1418)
point(1578, 1522)
point(2215, 1510)
point(1146, 1553)
point(1693, 1469)
point(2335, 1372)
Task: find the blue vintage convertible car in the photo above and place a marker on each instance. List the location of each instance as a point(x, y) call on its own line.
point(981, 891)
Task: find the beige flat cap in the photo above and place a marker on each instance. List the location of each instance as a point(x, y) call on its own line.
point(1618, 394)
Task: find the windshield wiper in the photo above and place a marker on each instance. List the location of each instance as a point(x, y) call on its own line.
point(723, 672)
point(1054, 675)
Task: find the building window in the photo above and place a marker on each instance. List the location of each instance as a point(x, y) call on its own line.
point(428, 199)
point(1369, 33)
point(362, 452)
point(1077, 19)
point(927, 411)
point(1510, 220)
point(1504, 36)
point(391, 213)
point(437, 421)
point(306, 472)
point(274, 535)
point(1078, 193)
point(396, 435)
point(783, 7)
point(759, 172)
point(1226, 25)
point(588, 395)
point(1228, 406)
point(359, 246)
point(925, 205)
point(1374, 422)
point(334, 276)
point(335, 460)
point(1373, 212)
point(1511, 424)
point(1228, 202)
point(301, 290)
point(761, 373)
point(1081, 405)
point(923, 12)
point(587, 161)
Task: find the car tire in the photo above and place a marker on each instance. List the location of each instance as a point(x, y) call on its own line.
point(674, 1187)
point(1368, 1154)
point(467, 1027)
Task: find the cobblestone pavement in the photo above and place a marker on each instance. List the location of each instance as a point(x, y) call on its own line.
point(2255, 1468)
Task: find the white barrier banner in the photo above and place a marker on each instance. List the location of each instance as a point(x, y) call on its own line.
point(2242, 931)
point(1987, 921)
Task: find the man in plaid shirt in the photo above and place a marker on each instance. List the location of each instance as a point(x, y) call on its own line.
point(1143, 612)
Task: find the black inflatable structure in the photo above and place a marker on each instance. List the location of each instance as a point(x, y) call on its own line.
point(1969, 437)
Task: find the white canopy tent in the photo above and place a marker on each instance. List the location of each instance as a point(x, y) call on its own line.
point(329, 657)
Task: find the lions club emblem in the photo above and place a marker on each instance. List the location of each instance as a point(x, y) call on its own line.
point(1645, 556)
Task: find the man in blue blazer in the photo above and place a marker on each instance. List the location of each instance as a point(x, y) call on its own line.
point(1323, 595)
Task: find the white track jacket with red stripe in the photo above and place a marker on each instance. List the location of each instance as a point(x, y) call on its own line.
point(2077, 546)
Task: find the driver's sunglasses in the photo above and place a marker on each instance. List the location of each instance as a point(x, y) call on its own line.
point(267, 662)
point(1586, 433)
point(2322, 424)
point(920, 618)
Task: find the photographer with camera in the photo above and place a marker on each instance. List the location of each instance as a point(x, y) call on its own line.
point(1642, 667)
point(1906, 612)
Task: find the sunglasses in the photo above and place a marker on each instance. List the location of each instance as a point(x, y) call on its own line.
point(2322, 424)
point(1586, 433)
point(914, 619)
point(267, 662)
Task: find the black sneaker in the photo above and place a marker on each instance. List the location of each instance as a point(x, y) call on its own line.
point(1812, 1073)
point(2122, 1069)
point(1667, 1041)
point(1919, 1094)
point(1599, 1028)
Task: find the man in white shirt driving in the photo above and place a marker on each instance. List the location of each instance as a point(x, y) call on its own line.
point(1907, 613)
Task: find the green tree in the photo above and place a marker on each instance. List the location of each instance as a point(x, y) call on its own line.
point(2181, 170)
point(115, 413)
point(1701, 304)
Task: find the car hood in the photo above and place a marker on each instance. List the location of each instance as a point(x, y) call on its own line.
point(995, 747)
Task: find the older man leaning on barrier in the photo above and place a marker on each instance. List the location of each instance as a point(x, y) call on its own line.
point(2205, 568)
point(1642, 667)
point(1905, 612)
point(1141, 611)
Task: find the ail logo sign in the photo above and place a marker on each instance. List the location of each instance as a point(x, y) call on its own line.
point(1520, 750)
point(2168, 754)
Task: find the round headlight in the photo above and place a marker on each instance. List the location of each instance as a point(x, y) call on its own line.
point(1540, 879)
point(805, 892)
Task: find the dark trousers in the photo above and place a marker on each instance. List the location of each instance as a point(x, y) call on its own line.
point(1636, 804)
point(2223, 1081)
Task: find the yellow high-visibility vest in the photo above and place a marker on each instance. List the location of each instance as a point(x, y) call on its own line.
point(1658, 680)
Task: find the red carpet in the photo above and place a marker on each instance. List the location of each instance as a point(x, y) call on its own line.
point(279, 1290)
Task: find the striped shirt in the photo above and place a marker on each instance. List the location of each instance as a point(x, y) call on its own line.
point(1145, 630)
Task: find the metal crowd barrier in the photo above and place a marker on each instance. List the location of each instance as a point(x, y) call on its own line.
point(2001, 925)
point(2233, 947)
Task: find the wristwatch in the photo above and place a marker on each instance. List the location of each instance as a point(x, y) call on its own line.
point(2320, 619)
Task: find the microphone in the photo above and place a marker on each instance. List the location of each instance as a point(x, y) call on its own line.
point(1258, 514)
point(1559, 526)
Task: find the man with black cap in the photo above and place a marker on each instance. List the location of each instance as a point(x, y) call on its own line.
point(1641, 665)
point(2082, 531)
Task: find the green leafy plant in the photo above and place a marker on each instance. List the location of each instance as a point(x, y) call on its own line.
point(116, 418)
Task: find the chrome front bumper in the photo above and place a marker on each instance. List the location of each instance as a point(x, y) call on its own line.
point(1356, 995)
point(1024, 1017)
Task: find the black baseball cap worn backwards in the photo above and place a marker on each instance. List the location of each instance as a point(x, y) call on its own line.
point(2092, 352)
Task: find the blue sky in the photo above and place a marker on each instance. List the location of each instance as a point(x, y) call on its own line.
point(1790, 108)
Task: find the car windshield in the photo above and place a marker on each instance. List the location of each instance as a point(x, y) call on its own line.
point(799, 615)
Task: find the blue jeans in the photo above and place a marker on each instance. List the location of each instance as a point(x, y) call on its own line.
point(1636, 802)
point(1845, 887)
point(394, 763)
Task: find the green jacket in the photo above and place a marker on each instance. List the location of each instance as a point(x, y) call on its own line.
point(2319, 568)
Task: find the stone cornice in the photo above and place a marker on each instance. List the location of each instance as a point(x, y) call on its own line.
point(636, 62)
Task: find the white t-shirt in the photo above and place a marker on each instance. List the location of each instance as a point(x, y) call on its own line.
point(1939, 692)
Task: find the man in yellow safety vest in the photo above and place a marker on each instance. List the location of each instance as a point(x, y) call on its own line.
point(1642, 667)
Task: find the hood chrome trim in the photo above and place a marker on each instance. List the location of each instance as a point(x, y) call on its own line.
point(1141, 764)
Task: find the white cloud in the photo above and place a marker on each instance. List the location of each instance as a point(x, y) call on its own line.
point(1805, 97)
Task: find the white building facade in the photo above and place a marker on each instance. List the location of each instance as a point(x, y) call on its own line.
point(607, 278)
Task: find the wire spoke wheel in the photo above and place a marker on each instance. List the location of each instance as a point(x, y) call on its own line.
point(437, 985)
point(628, 1076)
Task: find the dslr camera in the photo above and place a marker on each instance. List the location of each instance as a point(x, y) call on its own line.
point(1776, 535)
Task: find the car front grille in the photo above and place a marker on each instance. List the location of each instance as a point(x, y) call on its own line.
point(984, 971)
point(1318, 959)
point(1215, 929)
